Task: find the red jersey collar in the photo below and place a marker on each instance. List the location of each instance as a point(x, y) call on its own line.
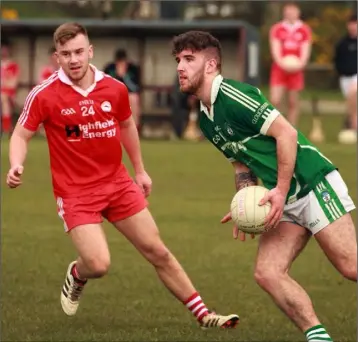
point(98, 75)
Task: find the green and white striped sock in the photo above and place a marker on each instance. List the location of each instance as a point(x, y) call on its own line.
point(318, 334)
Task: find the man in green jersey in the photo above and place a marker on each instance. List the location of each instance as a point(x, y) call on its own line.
point(307, 194)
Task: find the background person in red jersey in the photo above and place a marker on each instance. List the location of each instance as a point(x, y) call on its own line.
point(290, 36)
point(45, 72)
point(52, 65)
point(10, 72)
point(87, 117)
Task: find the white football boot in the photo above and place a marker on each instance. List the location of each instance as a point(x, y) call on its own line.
point(71, 292)
point(212, 320)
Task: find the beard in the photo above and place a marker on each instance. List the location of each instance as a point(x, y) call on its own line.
point(192, 85)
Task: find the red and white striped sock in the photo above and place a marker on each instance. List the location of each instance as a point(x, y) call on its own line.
point(195, 304)
point(75, 274)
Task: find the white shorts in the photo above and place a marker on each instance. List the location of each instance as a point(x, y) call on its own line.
point(346, 83)
point(326, 203)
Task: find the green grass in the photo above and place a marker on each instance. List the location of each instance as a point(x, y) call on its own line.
point(193, 185)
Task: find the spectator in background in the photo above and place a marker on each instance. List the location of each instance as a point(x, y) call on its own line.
point(128, 73)
point(289, 37)
point(10, 72)
point(48, 69)
point(345, 62)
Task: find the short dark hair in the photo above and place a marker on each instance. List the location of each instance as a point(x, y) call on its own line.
point(120, 55)
point(197, 41)
point(68, 31)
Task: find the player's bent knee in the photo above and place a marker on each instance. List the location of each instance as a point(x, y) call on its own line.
point(267, 278)
point(349, 270)
point(98, 266)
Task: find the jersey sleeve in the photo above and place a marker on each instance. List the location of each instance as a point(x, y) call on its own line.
point(124, 110)
point(307, 33)
point(31, 116)
point(274, 32)
point(253, 111)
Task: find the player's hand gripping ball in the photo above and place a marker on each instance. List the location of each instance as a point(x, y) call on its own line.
point(246, 212)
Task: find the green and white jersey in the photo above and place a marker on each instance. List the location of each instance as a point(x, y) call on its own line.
point(237, 123)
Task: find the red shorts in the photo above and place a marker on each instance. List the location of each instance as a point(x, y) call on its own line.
point(291, 81)
point(114, 201)
point(10, 92)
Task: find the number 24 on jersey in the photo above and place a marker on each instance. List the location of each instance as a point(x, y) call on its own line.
point(87, 110)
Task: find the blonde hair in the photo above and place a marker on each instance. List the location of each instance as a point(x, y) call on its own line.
point(68, 31)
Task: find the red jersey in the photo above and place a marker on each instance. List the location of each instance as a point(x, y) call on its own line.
point(46, 72)
point(291, 36)
point(9, 70)
point(82, 130)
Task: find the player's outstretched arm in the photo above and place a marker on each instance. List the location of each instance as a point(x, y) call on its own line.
point(130, 141)
point(17, 154)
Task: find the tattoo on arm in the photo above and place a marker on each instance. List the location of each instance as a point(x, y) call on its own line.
point(244, 179)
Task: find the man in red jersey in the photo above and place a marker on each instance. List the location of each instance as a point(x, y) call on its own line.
point(87, 117)
point(289, 37)
point(48, 69)
point(10, 73)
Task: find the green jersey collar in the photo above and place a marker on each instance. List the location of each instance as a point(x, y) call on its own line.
point(214, 93)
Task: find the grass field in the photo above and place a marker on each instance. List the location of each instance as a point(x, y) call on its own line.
point(193, 185)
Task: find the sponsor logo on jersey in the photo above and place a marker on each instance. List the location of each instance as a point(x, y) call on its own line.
point(234, 146)
point(73, 132)
point(98, 129)
point(261, 111)
point(68, 111)
point(106, 106)
point(91, 130)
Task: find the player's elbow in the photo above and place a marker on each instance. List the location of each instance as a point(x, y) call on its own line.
point(287, 132)
point(281, 130)
point(291, 137)
point(292, 134)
